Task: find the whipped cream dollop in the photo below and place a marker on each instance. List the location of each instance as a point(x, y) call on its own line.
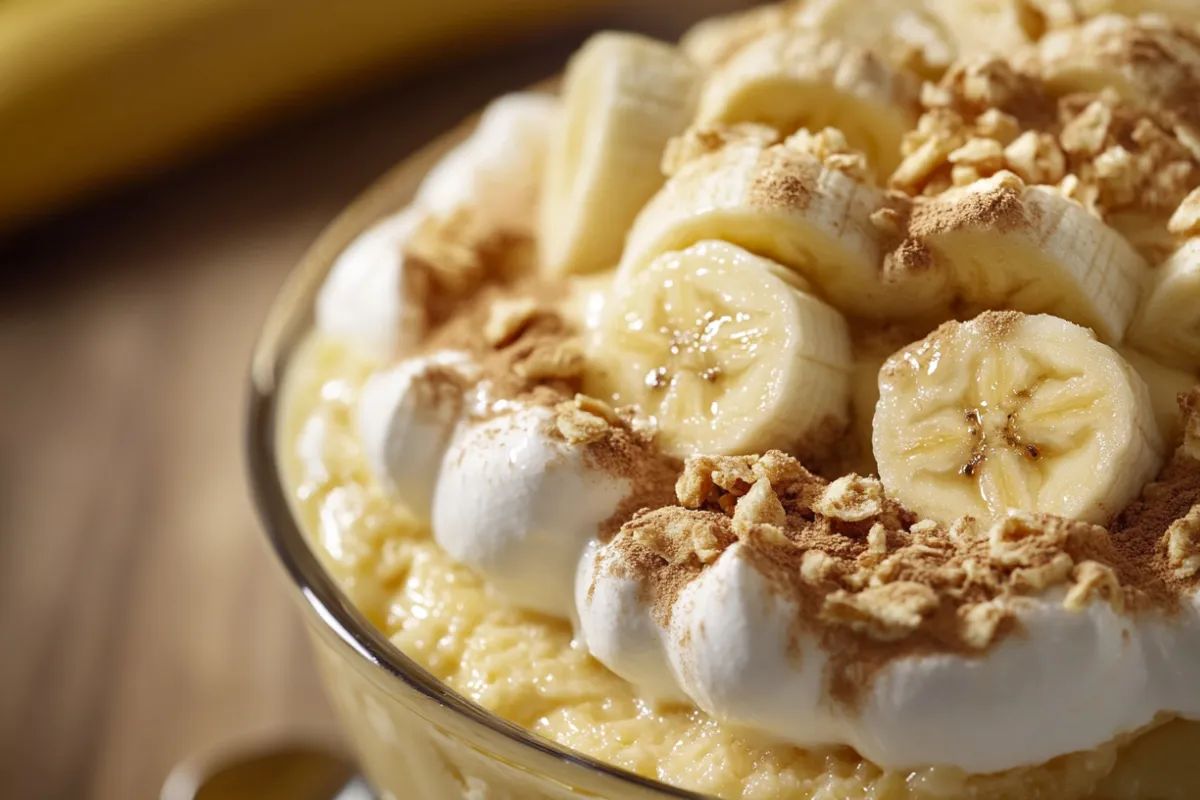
point(680, 600)
point(519, 504)
point(1070, 681)
point(495, 173)
point(362, 301)
point(406, 416)
point(498, 170)
point(506, 491)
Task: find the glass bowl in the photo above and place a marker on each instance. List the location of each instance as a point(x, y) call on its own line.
point(414, 736)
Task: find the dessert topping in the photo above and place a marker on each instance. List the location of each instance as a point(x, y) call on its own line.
point(701, 140)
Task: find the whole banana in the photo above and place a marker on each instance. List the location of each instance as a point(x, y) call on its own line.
point(93, 90)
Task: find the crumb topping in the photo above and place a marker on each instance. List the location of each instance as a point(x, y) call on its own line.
point(451, 258)
point(1130, 158)
point(830, 147)
point(1185, 221)
point(702, 140)
point(871, 583)
point(1183, 544)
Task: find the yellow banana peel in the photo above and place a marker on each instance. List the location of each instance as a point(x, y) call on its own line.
point(91, 90)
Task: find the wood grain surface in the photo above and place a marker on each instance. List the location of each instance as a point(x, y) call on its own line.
point(141, 617)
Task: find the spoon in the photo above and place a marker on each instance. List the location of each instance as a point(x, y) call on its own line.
point(283, 771)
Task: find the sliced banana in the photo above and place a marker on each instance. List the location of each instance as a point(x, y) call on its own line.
point(1167, 323)
point(586, 295)
point(1010, 412)
point(872, 347)
point(1147, 61)
point(795, 78)
point(923, 35)
point(624, 97)
point(783, 204)
point(714, 40)
point(1165, 384)
point(726, 354)
point(1002, 244)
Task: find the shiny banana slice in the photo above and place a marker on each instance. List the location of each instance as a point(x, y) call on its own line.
point(1010, 412)
point(582, 305)
point(1167, 323)
point(783, 203)
point(1147, 61)
point(796, 78)
point(872, 346)
point(1166, 384)
point(624, 97)
point(1003, 245)
point(714, 40)
point(922, 35)
point(727, 355)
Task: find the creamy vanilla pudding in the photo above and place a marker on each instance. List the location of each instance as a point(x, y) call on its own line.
point(806, 410)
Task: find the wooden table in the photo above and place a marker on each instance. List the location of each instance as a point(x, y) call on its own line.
point(141, 617)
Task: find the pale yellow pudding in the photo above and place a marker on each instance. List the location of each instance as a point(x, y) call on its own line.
point(524, 667)
point(807, 410)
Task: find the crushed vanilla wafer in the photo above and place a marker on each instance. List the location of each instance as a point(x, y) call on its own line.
point(701, 140)
point(830, 147)
point(1183, 544)
point(1127, 159)
point(872, 583)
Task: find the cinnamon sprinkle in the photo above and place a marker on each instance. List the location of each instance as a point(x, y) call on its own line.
point(870, 583)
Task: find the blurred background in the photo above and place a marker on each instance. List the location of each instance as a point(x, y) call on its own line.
point(162, 167)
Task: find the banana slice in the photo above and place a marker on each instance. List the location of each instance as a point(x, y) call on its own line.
point(1002, 244)
point(1147, 61)
point(1167, 324)
point(728, 356)
point(783, 204)
point(583, 303)
point(1165, 384)
point(1186, 12)
point(872, 347)
point(714, 40)
point(794, 78)
point(922, 35)
point(1010, 412)
point(624, 97)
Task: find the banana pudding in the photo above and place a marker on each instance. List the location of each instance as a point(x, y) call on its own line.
point(809, 410)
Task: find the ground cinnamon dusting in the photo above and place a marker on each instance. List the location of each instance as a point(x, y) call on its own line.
point(528, 353)
point(785, 179)
point(1129, 157)
point(1141, 534)
point(666, 549)
point(450, 258)
point(871, 583)
point(998, 209)
point(538, 355)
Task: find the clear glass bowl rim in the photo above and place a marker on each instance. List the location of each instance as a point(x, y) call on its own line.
point(289, 319)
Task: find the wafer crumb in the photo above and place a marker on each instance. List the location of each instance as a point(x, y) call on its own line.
point(556, 360)
point(508, 318)
point(578, 426)
point(1091, 579)
point(851, 498)
point(1183, 544)
point(885, 613)
point(830, 147)
point(702, 140)
point(759, 506)
point(1185, 221)
point(979, 623)
point(1189, 409)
